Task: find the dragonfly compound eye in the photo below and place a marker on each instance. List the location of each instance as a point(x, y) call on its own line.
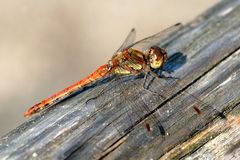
point(157, 57)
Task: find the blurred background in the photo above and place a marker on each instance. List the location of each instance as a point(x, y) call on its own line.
point(46, 46)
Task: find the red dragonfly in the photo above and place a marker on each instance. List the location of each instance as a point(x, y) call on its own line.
point(127, 60)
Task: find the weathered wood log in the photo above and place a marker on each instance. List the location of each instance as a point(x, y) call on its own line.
point(205, 55)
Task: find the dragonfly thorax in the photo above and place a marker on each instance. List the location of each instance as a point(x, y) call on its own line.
point(156, 57)
point(134, 61)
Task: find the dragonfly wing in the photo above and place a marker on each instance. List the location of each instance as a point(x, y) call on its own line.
point(128, 41)
point(155, 39)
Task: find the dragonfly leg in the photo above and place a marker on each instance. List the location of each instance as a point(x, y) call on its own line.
point(145, 79)
point(146, 88)
point(135, 72)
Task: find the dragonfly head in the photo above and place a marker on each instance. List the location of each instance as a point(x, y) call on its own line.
point(157, 57)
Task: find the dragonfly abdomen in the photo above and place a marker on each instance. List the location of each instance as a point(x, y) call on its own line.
point(99, 73)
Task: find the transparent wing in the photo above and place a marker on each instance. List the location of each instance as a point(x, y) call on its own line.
point(155, 39)
point(128, 41)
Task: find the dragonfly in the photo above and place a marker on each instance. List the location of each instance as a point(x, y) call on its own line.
point(131, 59)
point(127, 60)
